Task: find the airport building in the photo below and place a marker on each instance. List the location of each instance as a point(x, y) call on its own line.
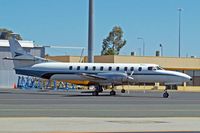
point(7, 75)
point(8, 78)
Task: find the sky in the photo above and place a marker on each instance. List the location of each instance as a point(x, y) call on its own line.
point(65, 23)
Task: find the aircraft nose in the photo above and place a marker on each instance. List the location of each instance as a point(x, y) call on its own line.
point(188, 77)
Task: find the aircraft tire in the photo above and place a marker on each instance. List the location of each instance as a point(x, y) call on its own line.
point(95, 93)
point(112, 93)
point(165, 95)
point(123, 91)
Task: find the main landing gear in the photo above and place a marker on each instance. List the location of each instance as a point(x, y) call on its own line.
point(112, 93)
point(123, 91)
point(99, 89)
point(95, 93)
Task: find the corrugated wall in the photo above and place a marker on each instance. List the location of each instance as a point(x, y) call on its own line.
point(7, 75)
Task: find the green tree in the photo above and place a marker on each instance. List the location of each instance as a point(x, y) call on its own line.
point(114, 42)
point(5, 34)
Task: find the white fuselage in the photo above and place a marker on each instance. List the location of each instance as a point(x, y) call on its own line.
point(105, 73)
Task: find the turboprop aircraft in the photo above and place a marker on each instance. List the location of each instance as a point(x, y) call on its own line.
point(92, 74)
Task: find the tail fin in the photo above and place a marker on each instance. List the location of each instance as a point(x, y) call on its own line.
point(20, 57)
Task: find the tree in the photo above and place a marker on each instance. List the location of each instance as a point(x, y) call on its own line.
point(114, 42)
point(5, 34)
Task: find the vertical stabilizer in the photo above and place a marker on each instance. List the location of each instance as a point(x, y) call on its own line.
point(20, 57)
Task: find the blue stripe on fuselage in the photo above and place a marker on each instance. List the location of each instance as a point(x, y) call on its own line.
point(48, 74)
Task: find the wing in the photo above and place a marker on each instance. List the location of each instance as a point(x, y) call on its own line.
point(92, 76)
point(108, 78)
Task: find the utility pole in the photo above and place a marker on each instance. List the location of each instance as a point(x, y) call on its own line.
point(179, 32)
point(91, 32)
point(161, 49)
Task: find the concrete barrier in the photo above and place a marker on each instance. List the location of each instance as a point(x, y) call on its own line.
point(161, 88)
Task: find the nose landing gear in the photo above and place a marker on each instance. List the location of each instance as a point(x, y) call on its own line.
point(165, 94)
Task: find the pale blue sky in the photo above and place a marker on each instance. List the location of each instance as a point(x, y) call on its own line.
point(64, 22)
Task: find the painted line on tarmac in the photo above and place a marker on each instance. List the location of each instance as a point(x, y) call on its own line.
point(137, 100)
point(90, 110)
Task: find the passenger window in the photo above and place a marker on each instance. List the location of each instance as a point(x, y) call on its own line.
point(132, 69)
point(78, 67)
point(70, 67)
point(110, 68)
point(86, 67)
point(94, 68)
point(101, 68)
point(140, 69)
point(117, 68)
point(125, 68)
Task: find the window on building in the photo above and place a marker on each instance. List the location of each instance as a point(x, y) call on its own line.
point(70, 67)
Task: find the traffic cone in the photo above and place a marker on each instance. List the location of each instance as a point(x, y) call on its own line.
point(14, 86)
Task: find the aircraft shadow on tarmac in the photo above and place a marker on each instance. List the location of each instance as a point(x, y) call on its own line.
point(107, 95)
point(78, 94)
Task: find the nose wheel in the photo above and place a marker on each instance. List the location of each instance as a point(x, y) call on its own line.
point(165, 94)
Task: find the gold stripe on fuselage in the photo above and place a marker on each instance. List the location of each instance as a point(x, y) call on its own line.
point(78, 82)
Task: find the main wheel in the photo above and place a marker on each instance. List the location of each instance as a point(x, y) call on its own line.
point(165, 95)
point(112, 93)
point(123, 91)
point(95, 93)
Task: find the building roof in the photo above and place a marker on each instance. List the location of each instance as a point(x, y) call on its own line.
point(24, 43)
point(171, 63)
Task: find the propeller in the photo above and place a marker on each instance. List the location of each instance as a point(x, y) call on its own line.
point(129, 77)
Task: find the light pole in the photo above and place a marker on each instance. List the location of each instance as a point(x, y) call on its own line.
point(91, 32)
point(161, 49)
point(179, 32)
point(143, 44)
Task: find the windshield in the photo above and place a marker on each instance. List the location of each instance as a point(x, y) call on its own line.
point(159, 68)
point(155, 68)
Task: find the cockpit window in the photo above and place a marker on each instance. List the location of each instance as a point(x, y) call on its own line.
point(159, 68)
point(150, 68)
point(154, 68)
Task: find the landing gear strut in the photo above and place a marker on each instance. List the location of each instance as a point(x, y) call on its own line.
point(112, 92)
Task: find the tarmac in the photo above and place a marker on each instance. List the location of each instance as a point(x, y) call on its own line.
point(63, 111)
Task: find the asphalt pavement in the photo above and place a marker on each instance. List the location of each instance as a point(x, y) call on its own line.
point(34, 103)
